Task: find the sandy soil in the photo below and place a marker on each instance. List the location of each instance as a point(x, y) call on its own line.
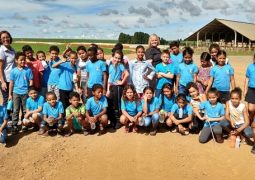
point(117, 155)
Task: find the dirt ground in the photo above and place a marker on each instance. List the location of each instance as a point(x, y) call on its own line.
point(117, 155)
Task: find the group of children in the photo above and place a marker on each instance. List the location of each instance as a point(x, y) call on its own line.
point(85, 92)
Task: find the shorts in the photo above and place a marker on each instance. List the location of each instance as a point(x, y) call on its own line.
point(250, 96)
point(224, 96)
point(176, 115)
point(55, 126)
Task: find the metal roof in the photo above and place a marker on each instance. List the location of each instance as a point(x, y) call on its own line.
point(223, 26)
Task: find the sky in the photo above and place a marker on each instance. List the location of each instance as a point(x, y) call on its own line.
point(105, 19)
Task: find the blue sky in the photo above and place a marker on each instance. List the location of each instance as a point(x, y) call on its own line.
point(105, 19)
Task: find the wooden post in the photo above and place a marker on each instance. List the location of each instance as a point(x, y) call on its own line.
point(235, 39)
point(197, 38)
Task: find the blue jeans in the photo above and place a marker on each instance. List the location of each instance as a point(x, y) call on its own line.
point(225, 124)
point(3, 136)
point(151, 119)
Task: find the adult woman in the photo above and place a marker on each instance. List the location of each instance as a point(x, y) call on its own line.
point(7, 62)
point(153, 52)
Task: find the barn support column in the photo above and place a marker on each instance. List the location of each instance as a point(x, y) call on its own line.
point(249, 44)
point(197, 38)
point(235, 39)
point(205, 39)
point(212, 38)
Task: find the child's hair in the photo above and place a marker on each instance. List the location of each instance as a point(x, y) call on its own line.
point(97, 86)
point(190, 85)
point(141, 47)
point(32, 88)
point(213, 91)
point(81, 48)
point(40, 52)
point(94, 45)
point(237, 91)
point(221, 52)
point(118, 46)
point(153, 35)
point(214, 46)
point(54, 48)
point(93, 49)
point(51, 93)
point(120, 53)
point(73, 53)
point(188, 50)
point(18, 54)
point(182, 97)
point(165, 51)
point(130, 86)
point(101, 49)
point(27, 48)
point(148, 88)
point(205, 56)
point(174, 44)
point(5, 32)
point(74, 94)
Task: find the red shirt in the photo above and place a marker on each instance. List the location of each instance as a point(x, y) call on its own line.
point(37, 69)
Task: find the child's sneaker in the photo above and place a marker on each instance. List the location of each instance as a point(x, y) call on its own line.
point(85, 132)
point(41, 131)
point(253, 149)
point(15, 130)
point(24, 129)
point(46, 134)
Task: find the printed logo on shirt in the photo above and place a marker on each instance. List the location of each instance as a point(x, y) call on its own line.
point(227, 71)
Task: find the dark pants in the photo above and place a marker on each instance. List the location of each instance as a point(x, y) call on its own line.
point(90, 94)
point(5, 94)
point(115, 96)
point(19, 102)
point(206, 132)
point(64, 97)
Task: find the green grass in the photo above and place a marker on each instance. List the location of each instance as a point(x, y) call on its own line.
point(45, 47)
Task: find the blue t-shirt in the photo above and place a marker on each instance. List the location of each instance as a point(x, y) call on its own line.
point(21, 79)
point(32, 105)
point(186, 72)
point(153, 105)
point(187, 109)
point(54, 112)
point(96, 107)
point(66, 76)
point(45, 77)
point(115, 72)
point(212, 111)
point(96, 72)
point(166, 103)
point(250, 73)
point(169, 68)
point(176, 60)
point(3, 115)
point(221, 77)
point(54, 73)
point(132, 107)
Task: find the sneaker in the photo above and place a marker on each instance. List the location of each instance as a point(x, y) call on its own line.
point(24, 129)
point(174, 130)
point(45, 134)
point(15, 130)
point(253, 149)
point(219, 139)
point(153, 132)
point(41, 131)
point(85, 132)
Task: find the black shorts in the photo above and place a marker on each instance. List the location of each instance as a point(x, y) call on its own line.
point(224, 96)
point(250, 96)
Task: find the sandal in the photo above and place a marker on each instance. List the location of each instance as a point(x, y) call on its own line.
point(69, 134)
point(126, 129)
point(135, 129)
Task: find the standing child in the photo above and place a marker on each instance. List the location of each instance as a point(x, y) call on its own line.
point(237, 118)
point(116, 82)
point(54, 72)
point(41, 56)
point(249, 89)
point(213, 113)
point(53, 111)
point(34, 105)
point(181, 115)
point(150, 105)
point(96, 109)
point(176, 56)
point(75, 115)
point(141, 72)
point(3, 124)
point(186, 72)
point(100, 54)
point(35, 65)
point(213, 50)
point(165, 72)
point(221, 77)
point(66, 81)
point(204, 72)
point(131, 108)
point(166, 101)
point(20, 79)
point(96, 70)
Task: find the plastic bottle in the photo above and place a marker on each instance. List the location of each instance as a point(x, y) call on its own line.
point(162, 116)
point(238, 141)
point(93, 126)
point(9, 105)
point(180, 113)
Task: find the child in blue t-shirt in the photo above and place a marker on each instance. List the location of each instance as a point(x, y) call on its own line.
point(96, 70)
point(181, 115)
point(54, 72)
point(213, 113)
point(66, 82)
point(20, 79)
point(3, 124)
point(164, 71)
point(96, 109)
point(53, 111)
point(221, 77)
point(150, 105)
point(131, 108)
point(34, 105)
point(166, 101)
point(186, 72)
